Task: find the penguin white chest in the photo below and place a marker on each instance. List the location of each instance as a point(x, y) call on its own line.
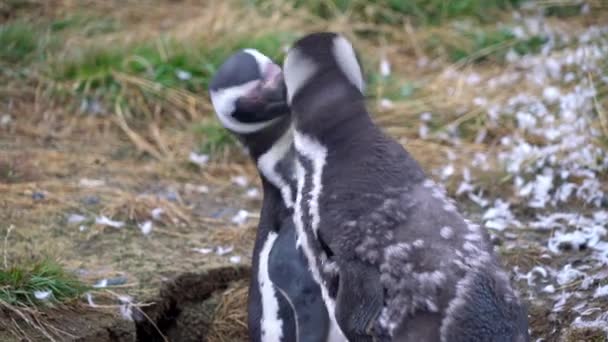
point(271, 324)
point(307, 216)
point(267, 164)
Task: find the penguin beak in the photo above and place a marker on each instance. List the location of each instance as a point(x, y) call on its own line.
point(268, 100)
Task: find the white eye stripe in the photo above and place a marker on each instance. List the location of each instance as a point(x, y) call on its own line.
point(297, 71)
point(347, 61)
point(224, 103)
point(298, 68)
point(262, 60)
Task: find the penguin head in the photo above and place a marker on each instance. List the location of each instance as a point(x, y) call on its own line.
point(322, 54)
point(248, 92)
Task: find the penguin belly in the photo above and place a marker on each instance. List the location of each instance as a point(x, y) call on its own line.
point(288, 318)
point(289, 272)
point(257, 326)
point(276, 320)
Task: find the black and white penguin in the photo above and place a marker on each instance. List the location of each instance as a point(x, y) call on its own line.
point(395, 259)
point(285, 303)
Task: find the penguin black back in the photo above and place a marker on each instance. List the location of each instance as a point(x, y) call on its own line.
point(409, 265)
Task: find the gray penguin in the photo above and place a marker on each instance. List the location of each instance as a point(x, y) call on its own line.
point(395, 259)
point(285, 303)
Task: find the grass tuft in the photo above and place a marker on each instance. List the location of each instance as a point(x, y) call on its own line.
point(480, 45)
point(18, 42)
point(215, 138)
point(564, 10)
point(163, 63)
point(19, 284)
point(167, 62)
point(423, 12)
point(88, 26)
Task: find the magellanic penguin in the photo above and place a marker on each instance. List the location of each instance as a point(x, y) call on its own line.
point(285, 303)
point(395, 258)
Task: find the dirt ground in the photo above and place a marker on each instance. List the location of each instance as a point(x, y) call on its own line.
point(167, 243)
point(131, 189)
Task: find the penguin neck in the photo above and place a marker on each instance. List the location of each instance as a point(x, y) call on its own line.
point(276, 166)
point(335, 114)
point(261, 141)
point(269, 149)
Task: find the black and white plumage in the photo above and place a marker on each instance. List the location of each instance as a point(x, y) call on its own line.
point(395, 258)
point(285, 303)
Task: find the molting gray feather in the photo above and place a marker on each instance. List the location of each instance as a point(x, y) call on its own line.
point(366, 205)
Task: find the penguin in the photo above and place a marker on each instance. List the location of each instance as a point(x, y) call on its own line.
point(285, 303)
point(395, 259)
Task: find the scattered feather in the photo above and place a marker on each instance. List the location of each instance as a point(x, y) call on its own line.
point(5, 120)
point(223, 250)
point(126, 307)
point(90, 300)
point(235, 259)
point(76, 218)
point(568, 274)
point(447, 172)
point(201, 189)
point(157, 213)
point(203, 250)
point(43, 295)
point(145, 227)
point(549, 289)
point(385, 67)
point(252, 193)
point(499, 216)
point(241, 181)
point(241, 217)
point(105, 221)
point(551, 94)
point(183, 75)
point(601, 291)
point(91, 183)
point(198, 159)
point(101, 284)
point(386, 104)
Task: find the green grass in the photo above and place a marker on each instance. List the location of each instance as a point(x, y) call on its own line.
point(158, 65)
point(15, 169)
point(18, 42)
point(165, 62)
point(215, 138)
point(479, 45)
point(390, 87)
point(86, 25)
point(563, 10)
point(421, 12)
point(19, 284)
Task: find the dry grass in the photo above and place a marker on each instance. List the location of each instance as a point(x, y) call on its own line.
point(131, 208)
point(17, 317)
point(230, 320)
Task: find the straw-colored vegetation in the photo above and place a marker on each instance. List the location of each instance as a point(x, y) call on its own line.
point(103, 103)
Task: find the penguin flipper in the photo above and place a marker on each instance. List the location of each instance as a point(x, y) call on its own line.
point(490, 311)
point(359, 300)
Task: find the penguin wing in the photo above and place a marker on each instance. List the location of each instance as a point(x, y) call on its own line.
point(359, 300)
